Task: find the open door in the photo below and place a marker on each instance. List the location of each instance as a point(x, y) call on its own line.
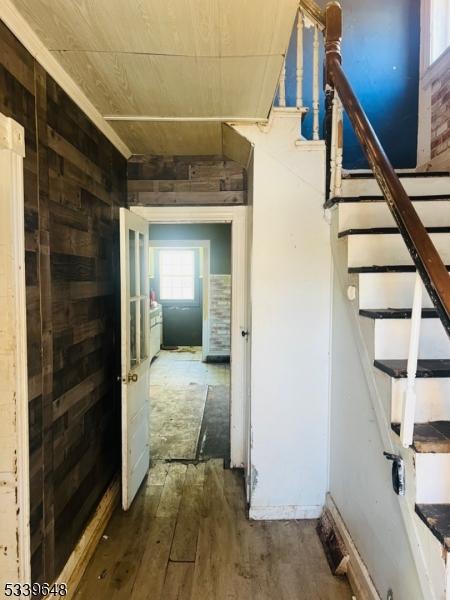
point(135, 363)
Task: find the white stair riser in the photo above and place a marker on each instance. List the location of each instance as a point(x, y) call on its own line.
point(432, 478)
point(438, 566)
point(388, 290)
point(432, 399)
point(367, 215)
point(392, 339)
point(389, 249)
point(414, 186)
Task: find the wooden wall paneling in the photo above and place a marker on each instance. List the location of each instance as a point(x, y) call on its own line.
point(86, 192)
point(185, 181)
point(17, 100)
point(74, 181)
point(46, 323)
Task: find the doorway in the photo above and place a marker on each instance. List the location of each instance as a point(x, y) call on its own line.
point(190, 288)
point(239, 366)
point(136, 438)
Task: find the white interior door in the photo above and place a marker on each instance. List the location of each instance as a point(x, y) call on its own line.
point(134, 297)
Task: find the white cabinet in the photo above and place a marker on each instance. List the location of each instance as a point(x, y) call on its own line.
point(155, 330)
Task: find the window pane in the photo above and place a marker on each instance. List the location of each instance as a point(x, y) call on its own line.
point(143, 336)
point(143, 274)
point(133, 357)
point(177, 272)
point(440, 27)
point(132, 261)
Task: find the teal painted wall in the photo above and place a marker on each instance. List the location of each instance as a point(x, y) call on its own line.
point(219, 235)
point(182, 323)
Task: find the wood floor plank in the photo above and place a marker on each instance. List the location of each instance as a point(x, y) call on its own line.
point(184, 546)
point(173, 490)
point(112, 566)
point(195, 474)
point(151, 573)
point(235, 559)
point(178, 582)
point(158, 473)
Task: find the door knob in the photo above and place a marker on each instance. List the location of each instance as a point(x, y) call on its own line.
point(244, 333)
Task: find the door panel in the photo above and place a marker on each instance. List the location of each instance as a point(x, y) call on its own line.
point(135, 363)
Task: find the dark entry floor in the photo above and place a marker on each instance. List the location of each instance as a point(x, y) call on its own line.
point(187, 537)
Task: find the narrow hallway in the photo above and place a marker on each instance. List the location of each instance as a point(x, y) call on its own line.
point(187, 537)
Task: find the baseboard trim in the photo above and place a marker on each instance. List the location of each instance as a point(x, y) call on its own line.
point(291, 511)
point(79, 559)
point(356, 571)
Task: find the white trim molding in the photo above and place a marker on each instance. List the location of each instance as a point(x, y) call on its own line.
point(14, 460)
point(25, 34)
point(277, 513)
point(237, 216)
point(429, 72)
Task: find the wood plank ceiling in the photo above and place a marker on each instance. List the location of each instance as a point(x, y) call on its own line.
point(186, 59)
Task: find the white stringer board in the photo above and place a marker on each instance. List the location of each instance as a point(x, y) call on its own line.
point(135, 361)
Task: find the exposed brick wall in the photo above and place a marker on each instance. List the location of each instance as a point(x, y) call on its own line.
point(440, 116)
point(219, 314)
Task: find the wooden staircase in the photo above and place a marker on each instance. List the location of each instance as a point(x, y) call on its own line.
point(381, 278)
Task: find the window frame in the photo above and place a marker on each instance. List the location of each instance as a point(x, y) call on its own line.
point(444, 20)
point(194, 276)
point(198, 280)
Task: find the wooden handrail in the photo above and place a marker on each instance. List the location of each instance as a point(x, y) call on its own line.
point(314, 12)
point(429, 264)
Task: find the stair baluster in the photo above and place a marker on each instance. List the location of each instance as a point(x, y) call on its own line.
point(409, 401)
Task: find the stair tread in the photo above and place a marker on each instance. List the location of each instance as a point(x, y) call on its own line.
point(403, 174)
point(429, 437)
point(396, 313)
point(387, 231)
point(437, 518)
point(374, 198)
point(425, 367)
point(386, 269)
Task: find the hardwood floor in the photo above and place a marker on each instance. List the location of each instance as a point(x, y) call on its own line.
point(187, 537)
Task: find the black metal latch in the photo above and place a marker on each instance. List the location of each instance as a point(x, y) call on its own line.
point(398, 473)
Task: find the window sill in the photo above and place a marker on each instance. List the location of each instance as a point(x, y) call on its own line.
point(437, 69)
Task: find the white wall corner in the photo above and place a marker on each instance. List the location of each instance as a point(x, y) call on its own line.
point(291, 295)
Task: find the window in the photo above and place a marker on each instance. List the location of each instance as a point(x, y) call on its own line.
point(177, 275)
point(440, 27)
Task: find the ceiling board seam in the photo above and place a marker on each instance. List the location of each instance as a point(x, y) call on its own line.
point(25, 34)
point(168, 55)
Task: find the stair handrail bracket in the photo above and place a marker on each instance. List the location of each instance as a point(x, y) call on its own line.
point(426, 258)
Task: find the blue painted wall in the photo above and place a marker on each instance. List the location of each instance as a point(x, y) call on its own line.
point(381, 58)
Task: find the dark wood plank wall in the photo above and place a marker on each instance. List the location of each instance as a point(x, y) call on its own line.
point(75, 180)
point(185, 181)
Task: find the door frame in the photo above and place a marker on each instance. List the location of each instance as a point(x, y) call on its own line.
point(237, 216)
point(14, 428)
point(205, 246)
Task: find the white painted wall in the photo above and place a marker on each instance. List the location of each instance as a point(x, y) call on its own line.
point(290, 291)
point(360, 477)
